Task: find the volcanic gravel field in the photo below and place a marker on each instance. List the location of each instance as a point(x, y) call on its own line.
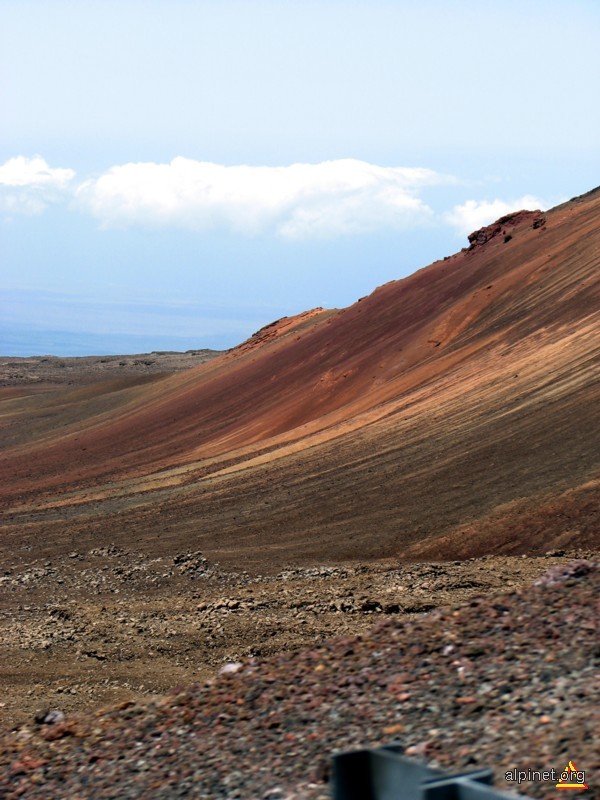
point(112, 625)
point(509, 682)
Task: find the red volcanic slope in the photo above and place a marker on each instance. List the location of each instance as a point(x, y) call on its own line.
point(449, 413)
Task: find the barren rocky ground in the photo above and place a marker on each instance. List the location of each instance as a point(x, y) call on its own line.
point(508, 681)
point(110, 624)
point(55, 370)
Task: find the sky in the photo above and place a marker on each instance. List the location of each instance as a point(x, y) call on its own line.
point(175, 174)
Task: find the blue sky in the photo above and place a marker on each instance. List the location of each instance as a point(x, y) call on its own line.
point(176, 174)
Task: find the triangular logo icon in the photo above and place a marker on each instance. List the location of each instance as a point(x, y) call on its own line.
point(572, 778)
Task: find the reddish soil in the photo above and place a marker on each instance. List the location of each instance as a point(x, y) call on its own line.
point(452, 413)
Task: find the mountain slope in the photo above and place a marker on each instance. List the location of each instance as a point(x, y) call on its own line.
point(447, 414)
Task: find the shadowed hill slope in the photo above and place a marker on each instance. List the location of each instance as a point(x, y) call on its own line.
point(448, 414)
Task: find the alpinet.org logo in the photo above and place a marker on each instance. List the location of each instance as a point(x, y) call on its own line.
point(570, 778)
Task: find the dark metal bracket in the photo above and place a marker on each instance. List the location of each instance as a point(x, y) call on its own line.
point(382, 773)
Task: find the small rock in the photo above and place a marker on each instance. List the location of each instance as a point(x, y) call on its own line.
point(231, 668)
point(49, 716)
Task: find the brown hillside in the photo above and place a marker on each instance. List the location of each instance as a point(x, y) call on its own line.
point(448, 414)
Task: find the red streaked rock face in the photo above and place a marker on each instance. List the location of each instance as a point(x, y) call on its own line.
point(451, 413)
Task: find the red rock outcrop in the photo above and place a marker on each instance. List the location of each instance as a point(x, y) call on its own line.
point(504, 227)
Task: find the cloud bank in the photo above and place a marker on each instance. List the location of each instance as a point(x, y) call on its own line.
point(301, 201)
point(474, 214)
point(28, 185)
point(332, 198)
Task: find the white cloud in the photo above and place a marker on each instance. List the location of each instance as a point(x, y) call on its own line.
point(297, 201)
point(474, 214)
point(28, 185)
point(23, 171)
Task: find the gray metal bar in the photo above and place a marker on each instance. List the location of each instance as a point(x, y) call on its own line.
point(383, 773)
